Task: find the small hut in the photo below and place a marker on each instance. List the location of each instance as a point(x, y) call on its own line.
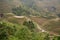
point(1, 15)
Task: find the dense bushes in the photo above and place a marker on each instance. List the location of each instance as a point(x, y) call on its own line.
point(6, 29)
point(24, 11)
point(30, 25)
point(9, 31)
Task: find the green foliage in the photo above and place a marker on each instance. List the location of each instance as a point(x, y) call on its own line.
point(23, 34)
point(6, 29)
point(30, 25)
point(10, 31)
point(26, 11)
point(26, 34)
point(13, 38)
point(47, 37)
point(56, 38)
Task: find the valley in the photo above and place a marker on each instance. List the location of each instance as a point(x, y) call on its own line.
point(40, 23)
point(29, 20)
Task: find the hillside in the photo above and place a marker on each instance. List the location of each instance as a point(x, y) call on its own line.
point(43, 5)
point(50, 25)
point(10, 30)
point(25, 11)
point(53, 26)
point(29, 20)
point(4, 7)
point(44, 8)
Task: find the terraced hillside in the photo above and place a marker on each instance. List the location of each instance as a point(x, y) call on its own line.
point(50, 25)
point(53, 27)
point(39, 20)
point(13, 18)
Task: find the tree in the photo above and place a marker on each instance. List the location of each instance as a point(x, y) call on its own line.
point(6, 30)
point(30, 25)
point(47, 37)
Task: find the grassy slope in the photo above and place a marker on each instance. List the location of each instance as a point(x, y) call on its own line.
point(50, 25)
point(21, 33)
point(53, 26)
point(10, 17)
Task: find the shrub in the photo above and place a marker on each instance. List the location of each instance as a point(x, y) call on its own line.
point(6, 29)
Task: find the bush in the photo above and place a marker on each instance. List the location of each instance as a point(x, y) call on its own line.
point(30, 25)
point(6, 29)
point(9, 31)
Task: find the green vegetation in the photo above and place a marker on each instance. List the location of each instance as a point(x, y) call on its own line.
point(10, 31)
point(30, 25)
point(15, 28)
point(6, 29)
point(25, 11)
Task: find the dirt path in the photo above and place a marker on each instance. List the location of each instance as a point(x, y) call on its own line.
point(28, 19)
point(38, 26)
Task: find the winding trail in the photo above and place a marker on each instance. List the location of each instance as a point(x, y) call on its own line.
point(38, 26)
point(28, 19)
